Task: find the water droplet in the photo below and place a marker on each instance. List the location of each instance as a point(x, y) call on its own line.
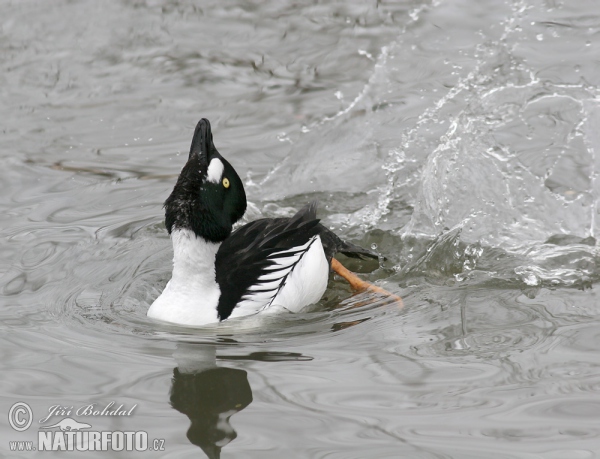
point(283, 137)
point(373, 246)
point(539, 37)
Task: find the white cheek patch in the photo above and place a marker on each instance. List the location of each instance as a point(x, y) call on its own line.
point(215, 170)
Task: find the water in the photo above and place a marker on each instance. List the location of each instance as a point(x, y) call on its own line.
point(461, 138)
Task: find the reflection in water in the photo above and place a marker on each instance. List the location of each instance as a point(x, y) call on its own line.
point(209, 398)
point(209, 395)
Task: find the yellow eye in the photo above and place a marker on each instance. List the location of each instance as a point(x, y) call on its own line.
point(226, 182)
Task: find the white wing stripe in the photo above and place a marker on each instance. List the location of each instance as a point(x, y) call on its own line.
point(282, 263)
point(266, 285)
point(299, 248)
point(270, 276)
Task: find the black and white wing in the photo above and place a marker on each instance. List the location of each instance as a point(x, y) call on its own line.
point(254, 263)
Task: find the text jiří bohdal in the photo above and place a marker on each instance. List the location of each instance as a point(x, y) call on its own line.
point(93, 409)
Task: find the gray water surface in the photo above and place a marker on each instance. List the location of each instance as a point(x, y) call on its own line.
point(459, 138)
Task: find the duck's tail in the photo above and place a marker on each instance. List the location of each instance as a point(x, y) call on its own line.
point(356, 251)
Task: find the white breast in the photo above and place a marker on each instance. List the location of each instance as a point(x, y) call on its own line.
point(192, 294)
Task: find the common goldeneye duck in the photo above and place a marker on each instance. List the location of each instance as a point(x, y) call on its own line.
point(265, 264)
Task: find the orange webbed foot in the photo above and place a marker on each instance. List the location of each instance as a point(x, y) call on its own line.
point(359, 285)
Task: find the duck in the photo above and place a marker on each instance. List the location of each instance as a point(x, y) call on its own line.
point(267, 265)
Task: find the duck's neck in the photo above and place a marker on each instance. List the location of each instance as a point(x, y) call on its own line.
point(192, 294)
point(193, 260)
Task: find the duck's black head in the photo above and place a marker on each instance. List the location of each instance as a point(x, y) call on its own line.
point(209, 195)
